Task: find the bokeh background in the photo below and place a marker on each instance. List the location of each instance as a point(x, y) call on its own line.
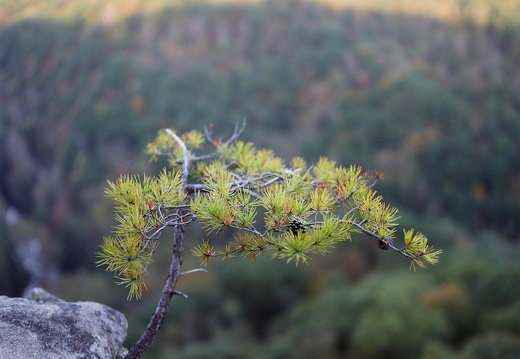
point(428, 92)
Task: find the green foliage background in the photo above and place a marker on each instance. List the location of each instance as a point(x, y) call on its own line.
point(429, 95)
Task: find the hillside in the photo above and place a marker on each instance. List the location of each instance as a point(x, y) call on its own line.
point(428, 94)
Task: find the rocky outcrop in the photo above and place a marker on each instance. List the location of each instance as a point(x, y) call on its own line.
point(45, 327)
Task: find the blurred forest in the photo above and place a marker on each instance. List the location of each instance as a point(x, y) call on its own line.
point(428, 92)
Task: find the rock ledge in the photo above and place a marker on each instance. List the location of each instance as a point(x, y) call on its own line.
point(45, 327)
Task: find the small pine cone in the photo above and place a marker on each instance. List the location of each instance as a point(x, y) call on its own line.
point(381, 243)
point(295, 225)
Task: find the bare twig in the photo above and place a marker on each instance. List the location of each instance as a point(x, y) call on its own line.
point(184, 295)
point(236, 133)
point(193, 188)
point(194, 271)
point(185, 157)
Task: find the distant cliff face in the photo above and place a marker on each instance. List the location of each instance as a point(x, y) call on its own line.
point(43, 326)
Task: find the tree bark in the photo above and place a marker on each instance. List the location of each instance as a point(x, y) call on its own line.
point(145, 341)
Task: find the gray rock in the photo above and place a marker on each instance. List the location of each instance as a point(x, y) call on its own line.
point(45, 327)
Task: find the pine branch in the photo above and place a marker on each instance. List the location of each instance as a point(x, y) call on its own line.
point(237, 184)
point(386, 244)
